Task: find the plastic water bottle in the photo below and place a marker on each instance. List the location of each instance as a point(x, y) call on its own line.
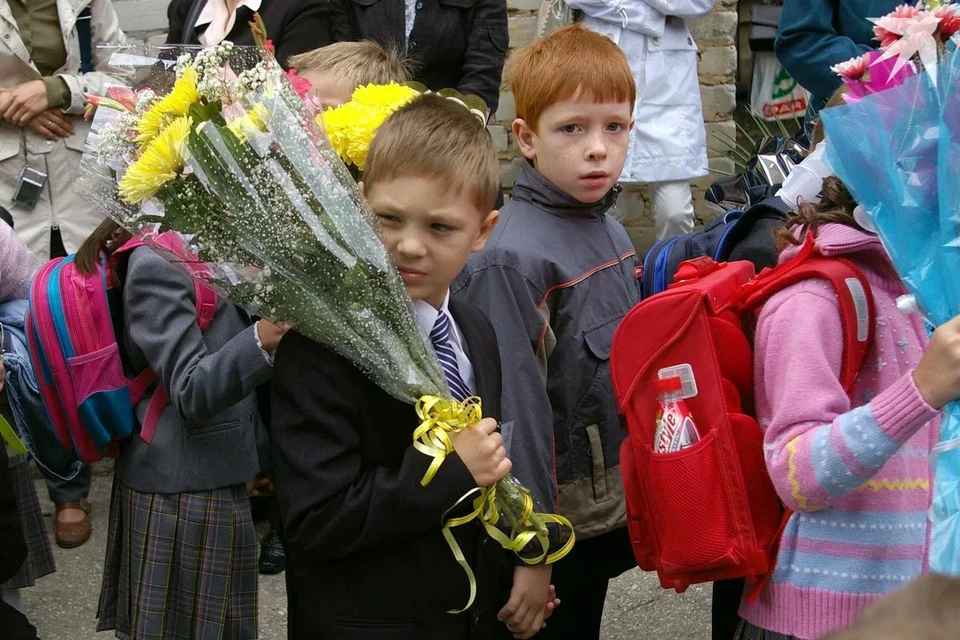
point(675, 427)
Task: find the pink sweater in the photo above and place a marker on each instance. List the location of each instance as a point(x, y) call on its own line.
point(17, 265)
point(857, 473)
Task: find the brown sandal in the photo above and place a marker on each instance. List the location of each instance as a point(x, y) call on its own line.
point(73, 534)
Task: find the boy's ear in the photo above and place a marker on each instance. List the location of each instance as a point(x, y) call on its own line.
point(488, 224)
point(633, 122)
point(362, 190)
point(526, 138)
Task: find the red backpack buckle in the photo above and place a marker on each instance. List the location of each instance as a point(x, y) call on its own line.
point(694, 270)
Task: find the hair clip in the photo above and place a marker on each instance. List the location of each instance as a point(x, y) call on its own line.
point(474, 104)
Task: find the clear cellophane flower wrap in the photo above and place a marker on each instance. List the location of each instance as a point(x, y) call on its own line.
point(898, 151)
point(211, 157)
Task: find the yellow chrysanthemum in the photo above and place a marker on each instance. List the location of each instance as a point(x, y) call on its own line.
point(251, 123)
point(376, 95)
point(161, 161)
point(351, 127)
point(173, 105)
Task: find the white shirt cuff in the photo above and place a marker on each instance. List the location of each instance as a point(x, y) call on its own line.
point(266, 353)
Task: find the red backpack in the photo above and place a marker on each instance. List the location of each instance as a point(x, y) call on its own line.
point(710, 512)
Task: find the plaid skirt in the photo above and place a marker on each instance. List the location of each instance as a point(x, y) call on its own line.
point(180, 566)
point(39, 560)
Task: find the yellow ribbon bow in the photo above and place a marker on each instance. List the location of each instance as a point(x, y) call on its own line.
point(440, 417)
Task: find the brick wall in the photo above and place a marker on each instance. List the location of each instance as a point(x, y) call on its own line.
point(716, 34)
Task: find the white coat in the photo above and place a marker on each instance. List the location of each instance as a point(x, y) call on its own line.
point(669, 140)
point(59, 206)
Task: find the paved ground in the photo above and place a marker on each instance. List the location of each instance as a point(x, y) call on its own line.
point(63, 605)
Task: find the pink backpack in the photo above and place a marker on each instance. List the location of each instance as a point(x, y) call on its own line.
point(70, 333)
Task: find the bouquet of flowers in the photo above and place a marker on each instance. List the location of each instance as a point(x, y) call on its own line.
point(215, 148)
point(894, 146)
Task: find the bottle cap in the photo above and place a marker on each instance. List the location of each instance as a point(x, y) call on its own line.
point(669, 385)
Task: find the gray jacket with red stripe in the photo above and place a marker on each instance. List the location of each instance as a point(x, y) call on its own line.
point(555, 279)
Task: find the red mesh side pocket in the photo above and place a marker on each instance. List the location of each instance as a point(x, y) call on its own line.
point(691, 510)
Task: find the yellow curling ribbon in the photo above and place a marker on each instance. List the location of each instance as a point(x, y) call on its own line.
point(440, 417)
point(10, 436)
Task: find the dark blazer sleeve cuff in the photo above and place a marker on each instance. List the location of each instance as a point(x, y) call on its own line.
point(452, 480)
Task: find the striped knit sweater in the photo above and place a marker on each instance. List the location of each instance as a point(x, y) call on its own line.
point(856, 472)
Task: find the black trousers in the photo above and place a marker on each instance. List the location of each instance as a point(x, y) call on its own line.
point(581, 580)
point(726, 605)
point(15, 625)
point(274, 516)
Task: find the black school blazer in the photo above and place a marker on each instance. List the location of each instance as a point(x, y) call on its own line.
point(364, 539)
point(455, 44)
point(294, 26)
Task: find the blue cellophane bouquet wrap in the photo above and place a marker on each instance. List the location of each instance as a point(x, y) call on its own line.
point(214, 160)
point(898, 152)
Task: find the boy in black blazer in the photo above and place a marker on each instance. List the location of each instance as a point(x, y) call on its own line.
point(364, 538)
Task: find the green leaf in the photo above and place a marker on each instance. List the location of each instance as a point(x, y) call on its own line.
point(201, 112)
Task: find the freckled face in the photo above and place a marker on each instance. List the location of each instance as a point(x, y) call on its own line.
point(579, 146)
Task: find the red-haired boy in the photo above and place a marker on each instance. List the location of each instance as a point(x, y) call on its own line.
point(555, 278)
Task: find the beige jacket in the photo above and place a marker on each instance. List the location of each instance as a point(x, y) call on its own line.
point(59, 206)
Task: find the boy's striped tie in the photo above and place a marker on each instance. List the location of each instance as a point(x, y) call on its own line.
point(440, 336)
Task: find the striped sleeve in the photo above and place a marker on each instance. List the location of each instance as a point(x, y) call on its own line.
point(818, 448)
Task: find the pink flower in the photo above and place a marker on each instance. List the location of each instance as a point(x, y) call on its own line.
point(123, 95)
point(891, 27)
point(854, 68)
point(92, 103)
point(916, 39)
point(949, 15)
point(870, 74)
point(301, 85)
point(118, 103)
point(906, 11)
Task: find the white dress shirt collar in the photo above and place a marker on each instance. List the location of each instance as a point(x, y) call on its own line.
point(214, 14)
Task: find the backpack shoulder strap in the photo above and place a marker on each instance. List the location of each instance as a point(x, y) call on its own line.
point(206, 301)
point(85, 39)
point(856, 315)
point(205, 298)
point(853, 294)
point(126, 248)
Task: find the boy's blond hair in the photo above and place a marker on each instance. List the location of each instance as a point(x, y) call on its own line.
point(356, 63)
point(927, 609)
point(572, 61)
point(435, 137)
